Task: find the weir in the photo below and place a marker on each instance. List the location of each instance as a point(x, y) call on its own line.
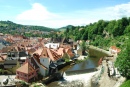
point(76, 72)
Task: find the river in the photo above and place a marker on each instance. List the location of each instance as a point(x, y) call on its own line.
point(72, 77)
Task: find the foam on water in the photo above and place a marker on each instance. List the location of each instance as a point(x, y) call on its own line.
point(80, 80)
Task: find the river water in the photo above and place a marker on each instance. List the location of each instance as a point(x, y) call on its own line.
point(87, 64)
point(76, 79)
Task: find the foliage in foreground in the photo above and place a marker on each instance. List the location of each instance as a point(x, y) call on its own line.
point(126, 84)
point(123, 61)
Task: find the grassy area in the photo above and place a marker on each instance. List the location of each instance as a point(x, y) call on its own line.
point(5, 71)
point(21, 84)
point(37, 85)
point(126, 84)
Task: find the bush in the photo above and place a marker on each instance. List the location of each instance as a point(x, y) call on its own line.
point(126, 84)
point(21, 84)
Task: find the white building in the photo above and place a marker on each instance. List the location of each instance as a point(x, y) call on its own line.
point(52, 45)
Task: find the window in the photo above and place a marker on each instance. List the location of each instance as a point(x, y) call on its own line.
point(13, 55)
point(9, 54)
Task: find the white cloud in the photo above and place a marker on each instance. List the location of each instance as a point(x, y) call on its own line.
point(39, 15)
point(38, 12)
point(120, 10)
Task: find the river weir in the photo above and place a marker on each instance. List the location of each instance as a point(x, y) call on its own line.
point(79, 80)
point(78, 75)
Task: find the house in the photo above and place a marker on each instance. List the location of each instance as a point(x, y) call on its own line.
point(52, 45)
point(75, 45)
point(2, 59)
point(79, 51)
point(114, 50)
point(10, 63)
point(42, 68)
point(28, 71)
point(11, 52)
point(45, 59)
point(69, 52)
point(62, 50)
point(3, 43)
point(14, 52)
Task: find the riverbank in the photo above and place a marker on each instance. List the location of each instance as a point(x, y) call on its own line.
point(79, 74)
point(104, 80)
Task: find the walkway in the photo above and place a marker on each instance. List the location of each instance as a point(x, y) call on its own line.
point(105, 80)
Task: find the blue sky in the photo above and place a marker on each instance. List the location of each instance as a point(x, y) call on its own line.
point(59, 13)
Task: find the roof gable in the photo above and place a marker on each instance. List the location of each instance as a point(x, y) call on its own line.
point(26, 68)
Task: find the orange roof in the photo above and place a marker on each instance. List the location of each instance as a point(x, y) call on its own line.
point(3, 57)
point(49, 53)
point(115, 48)
point(60, 51)
point(39, 51)
point(44, 52)
point(26, 68)
point(55, 55)
point(36, 57)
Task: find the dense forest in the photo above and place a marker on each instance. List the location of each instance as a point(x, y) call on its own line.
point(102, 33)
point(8, 27)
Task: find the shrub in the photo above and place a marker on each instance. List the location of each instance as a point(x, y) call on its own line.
point(126, 84)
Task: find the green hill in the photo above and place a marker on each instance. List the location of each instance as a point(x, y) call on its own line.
point(10, 27)
point(64, 28)
point(102, 33)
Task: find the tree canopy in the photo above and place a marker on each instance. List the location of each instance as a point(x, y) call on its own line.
point(8, 27)
point(102, 33)
point(123, 61)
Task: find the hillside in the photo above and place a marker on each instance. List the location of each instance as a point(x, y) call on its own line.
point(102, 33)
point(13, 28)
point(65, 27)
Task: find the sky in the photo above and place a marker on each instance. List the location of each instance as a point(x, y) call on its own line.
point(59, 13)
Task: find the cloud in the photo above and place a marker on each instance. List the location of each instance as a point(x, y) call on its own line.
point(39, 15)
point(38, 12)
point(120, 10)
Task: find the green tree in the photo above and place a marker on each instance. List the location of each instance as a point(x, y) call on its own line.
point(83, 46)
point(123, 61)
point(127, 30)
point(66, 57)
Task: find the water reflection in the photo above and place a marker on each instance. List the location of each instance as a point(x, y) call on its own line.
point(87, 64)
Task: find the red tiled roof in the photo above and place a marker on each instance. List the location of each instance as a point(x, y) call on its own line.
point(36, 57)
point(69, 52)
point(3, 57)
point(115, 48)
point(39, 51)
point(26, 68)
point(48, 53)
